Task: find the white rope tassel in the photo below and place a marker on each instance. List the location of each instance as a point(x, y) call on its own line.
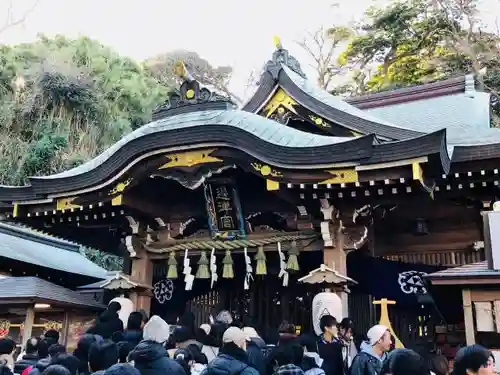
point(249, 270)
point(283, 273)
point(213, 269)
point(188, 278)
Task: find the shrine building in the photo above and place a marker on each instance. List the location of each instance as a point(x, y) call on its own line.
point(215, 206)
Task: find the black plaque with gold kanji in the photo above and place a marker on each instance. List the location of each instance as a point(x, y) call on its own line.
point(225, 217)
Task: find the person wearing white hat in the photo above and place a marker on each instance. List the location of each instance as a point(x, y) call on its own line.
point(373, 352)
point(255, 347)
point(232, 358)
point(150, 356)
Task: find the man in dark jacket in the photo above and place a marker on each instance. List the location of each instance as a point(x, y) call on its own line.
point(51, 336)
point(46, 353)
point(133, 333)
point(102, 355)
point(108, 322)
point(329, 346)
point(287, 338)
point(373, 352)
point(150, 356)
point(232, 358)
point(255, 348)
point(285, 358)
point(68, 361)
point(30, 358)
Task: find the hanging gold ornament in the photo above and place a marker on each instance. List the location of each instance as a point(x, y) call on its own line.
point(202, 272)
point(227, 270)
point(260, 257)
point(172, 266)
point(293, 261)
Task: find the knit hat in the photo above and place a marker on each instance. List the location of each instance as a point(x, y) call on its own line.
point(156, 329)
point(375, 333)
point(234, 335)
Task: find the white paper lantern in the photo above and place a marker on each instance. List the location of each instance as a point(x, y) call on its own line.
point(325, 303)
point(127, 308)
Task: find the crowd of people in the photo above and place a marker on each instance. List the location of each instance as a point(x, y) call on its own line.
point(148, 346)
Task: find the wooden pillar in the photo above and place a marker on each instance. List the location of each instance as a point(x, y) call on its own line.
point(28, 324)
point(333, 252)
point(470, 336)
point(142, 271)
point(65, 328)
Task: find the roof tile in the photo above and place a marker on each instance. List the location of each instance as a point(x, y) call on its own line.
point(29, 246)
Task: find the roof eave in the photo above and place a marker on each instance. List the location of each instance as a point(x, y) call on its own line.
point(30, 300)
point(454, 85)
point(188, 138)
point(265, 89)
point(466, 279)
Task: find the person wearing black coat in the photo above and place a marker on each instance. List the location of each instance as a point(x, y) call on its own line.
point(288, 338)
point(232, 358)
point(150, 356)
point(133, 333)
point(330, 347)
point(255, 348)
point(82, 351)
point(108, 322)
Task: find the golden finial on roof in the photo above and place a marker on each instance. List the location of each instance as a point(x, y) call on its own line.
point(277, 42)
point(181, 71)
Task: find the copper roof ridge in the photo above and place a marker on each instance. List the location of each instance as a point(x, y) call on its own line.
point(448, 86)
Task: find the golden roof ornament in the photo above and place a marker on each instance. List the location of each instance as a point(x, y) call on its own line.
point(190, 97)
point(181, 71)
point(277, 42)
point(282, 57)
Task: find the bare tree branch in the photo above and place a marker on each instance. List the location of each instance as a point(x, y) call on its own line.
point(321, 47)
point(11, 21)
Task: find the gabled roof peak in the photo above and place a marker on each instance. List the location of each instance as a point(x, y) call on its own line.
point(190, 97)
point(281, 57)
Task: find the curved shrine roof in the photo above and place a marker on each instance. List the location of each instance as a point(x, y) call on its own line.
point(234, 122)
point(195, 118)
point(337, 110)
point(452, 104)
point(256, 136)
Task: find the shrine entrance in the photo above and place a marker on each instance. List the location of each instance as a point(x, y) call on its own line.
point(266, 303)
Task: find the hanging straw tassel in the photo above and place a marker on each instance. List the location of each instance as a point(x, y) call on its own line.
point(260, 257)
point(293, 261)
point(202, 272)
point(172, 266)
point(227, 270)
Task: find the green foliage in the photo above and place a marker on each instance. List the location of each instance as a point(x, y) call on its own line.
point(63, 101)
point(402, 40)
point(417, 41)
point(107, 261)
